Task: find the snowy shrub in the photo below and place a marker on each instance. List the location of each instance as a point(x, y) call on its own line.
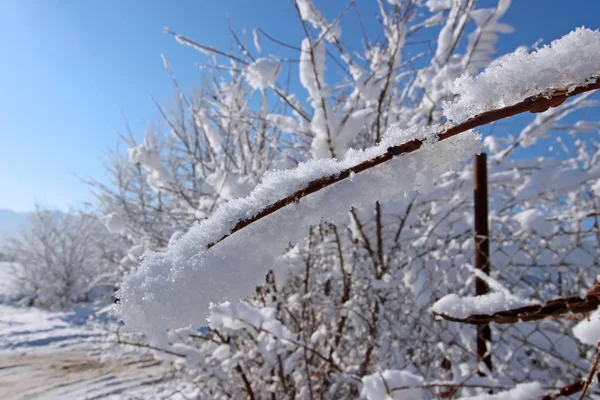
point(62, 259)
point(351, 270)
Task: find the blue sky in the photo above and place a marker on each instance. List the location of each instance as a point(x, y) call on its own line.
point(70, 68)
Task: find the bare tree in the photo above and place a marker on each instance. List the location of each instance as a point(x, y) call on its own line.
point(60, 257)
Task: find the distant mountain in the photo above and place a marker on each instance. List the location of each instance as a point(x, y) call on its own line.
point(12, 222)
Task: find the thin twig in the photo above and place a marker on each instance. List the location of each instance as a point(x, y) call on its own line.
point(590, 376)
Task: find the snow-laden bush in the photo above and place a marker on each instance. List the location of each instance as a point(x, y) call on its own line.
point(346, 308)
point(61, 259)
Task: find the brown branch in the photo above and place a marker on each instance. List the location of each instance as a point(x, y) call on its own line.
point(552, 308)
point(247, 384)
point(570, 389)
point(531, 104)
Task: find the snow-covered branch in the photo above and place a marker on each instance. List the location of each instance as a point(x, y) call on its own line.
point(286, 203)
point(534, 104)
point(500, 307)
point(192, 254)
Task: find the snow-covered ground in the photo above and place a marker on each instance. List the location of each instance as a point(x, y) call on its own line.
point(71, 355)
point(45, 355)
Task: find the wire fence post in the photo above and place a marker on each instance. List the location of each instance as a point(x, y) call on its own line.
point(482, 250)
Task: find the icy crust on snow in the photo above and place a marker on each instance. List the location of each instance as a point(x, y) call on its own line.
point(462, 307)
point(174, 288)
point(568, 62)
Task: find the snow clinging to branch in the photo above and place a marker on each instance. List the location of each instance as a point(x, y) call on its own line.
point(262, 73)
point(463, 307)
point(524, 391)
point(567, 63)
point(174, 289)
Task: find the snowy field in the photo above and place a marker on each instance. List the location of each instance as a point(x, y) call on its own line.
point(52, 355)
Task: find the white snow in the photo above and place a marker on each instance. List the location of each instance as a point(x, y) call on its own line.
point(173, 289)
point(438, 5)
point(588, 330)
point(256, 40)
point(534, 219)
point(482, 40)
point(456, 306)
point(312, 67)
point(52, 355)
point(229, 185)
point(309, 13)
point(523, 391)
point(596, 187)
point(142, 155)
point(115, 223)
point(8, 289)
point(568, 62)
point(283, 122)
point(492, 144)
point(262, 73)
point(386, 386)
point(157, 176)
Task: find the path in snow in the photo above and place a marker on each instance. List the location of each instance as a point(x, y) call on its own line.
point(74, 374)
point(47, 355)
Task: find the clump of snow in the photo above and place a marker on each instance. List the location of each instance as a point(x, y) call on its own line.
point(309, 13)
point(174, 288)
point(229, 185)
point(183, 40)
point(312, 67)
point(241, 315)
point(174, 237)
point(387, 386)
point(283, 122)
point(262, 73)
point(158, 179)
point(115, 223)
point(256, 40)
point(492, 144)
point(523, 391)
point(588, 330)
point(157, 176)
point(438, 5)
point(143, 156)
point(534, 219)
point(596, 187)
point(462, 307)
point(567, 63)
